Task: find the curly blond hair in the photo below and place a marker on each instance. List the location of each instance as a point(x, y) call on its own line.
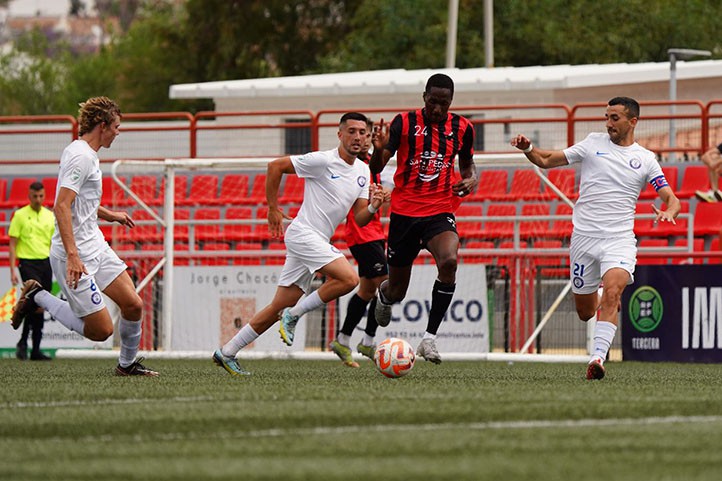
point(96, 110)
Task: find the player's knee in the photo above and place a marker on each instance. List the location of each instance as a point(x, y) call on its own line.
point(133, 310)
point(447, 265)
point(350, 283)
point(585, 313)
point(99, 333)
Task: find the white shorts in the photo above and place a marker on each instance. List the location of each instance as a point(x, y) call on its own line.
point(306, 253)
point(102, 270)
point(591, 258)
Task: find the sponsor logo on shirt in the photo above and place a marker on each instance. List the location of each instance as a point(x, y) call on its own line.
point(635, 164)
point(361, 180)
point(602, 153)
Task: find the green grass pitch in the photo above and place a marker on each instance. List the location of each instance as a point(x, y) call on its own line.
point(309, 420)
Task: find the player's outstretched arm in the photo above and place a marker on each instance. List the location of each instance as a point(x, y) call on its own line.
point(274, 172)
point(672, 203)
point(545, 159)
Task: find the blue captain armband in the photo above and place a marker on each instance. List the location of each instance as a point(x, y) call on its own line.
point(658, 183)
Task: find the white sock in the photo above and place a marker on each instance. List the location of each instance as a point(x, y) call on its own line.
point(429, 335)
point(603, 336)
point(129, 341)
point(368, 340)
point(343, 339)
point(308, 303)
point(61, 311)
point(242, 338)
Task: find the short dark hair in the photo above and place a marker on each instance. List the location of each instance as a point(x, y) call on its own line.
point(439, 80)
point(630, 105)
point(36, 186)
point(353, 116)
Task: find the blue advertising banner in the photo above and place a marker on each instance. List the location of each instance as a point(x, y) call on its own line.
point(673, 313)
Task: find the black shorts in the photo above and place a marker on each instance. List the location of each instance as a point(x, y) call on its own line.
point(408, 235)
point(371, 259)
point(38, 269)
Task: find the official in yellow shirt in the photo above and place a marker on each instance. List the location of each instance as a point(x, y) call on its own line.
point(31, 229)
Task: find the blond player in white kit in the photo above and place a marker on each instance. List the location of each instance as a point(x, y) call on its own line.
point(614, 171)
point(83, 263)
point(335, 181)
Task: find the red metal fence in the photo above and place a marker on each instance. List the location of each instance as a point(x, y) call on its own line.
point(40, 139)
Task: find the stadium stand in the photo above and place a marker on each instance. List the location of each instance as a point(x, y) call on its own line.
point(18, 195)
point(695, 177)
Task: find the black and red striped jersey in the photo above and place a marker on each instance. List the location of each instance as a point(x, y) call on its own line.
point(425, 154)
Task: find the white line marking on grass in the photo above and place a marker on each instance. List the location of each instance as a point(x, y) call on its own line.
point(385, 428)
point(101, 402)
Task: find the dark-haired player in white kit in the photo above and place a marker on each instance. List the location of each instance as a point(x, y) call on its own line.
point(614, 171)
point(335, 180)
point(367, 245)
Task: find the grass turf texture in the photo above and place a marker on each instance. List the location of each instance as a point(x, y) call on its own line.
point(72, 419)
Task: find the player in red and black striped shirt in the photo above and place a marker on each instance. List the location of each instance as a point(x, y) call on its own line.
point(427, 191)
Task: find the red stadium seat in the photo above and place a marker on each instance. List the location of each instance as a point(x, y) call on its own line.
point(670, 173)
point(142, 233)
point(715, 247)
point(551, 266)
point(238, 232)
point(492, 186)
point(499, 229)
point(525, 185)
point(181, 188)
point(144, 186)
point(647, 227)
point(208, 232)
point(214, 260)
point(258, 191)
point(562, 229)
point(50, 185)
point(113, 194)
point(652, 243)
point(18, 195)
point(697, 246)
point(707, 219)
point(180, 232)
point(565, 180)
point(3, 230)
point(469, 228)
point(696, 177)
point(234, 189)
point(203, 191)
point(292, 191)
point(534, 228)
point(479, 245)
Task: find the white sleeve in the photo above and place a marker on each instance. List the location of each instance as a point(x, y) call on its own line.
point(364, 194)
point(74, 173)
point(312, 164)
point(577, 152)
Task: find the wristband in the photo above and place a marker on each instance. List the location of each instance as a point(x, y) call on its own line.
point(528, 149)
point(372, 209)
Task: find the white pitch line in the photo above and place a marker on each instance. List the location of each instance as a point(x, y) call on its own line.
point(101, 402)
point(385, 428)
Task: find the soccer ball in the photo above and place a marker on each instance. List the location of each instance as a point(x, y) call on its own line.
point(394, 357)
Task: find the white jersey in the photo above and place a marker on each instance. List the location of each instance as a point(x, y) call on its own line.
point(612, 177)
point(80, 172)
point(331, 188)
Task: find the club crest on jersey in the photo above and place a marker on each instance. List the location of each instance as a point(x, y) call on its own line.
point(635, 164)
point(361, 180)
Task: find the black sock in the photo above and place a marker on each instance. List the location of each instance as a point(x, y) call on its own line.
point(441, 296)
point(354, 313)
point(371, 324)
